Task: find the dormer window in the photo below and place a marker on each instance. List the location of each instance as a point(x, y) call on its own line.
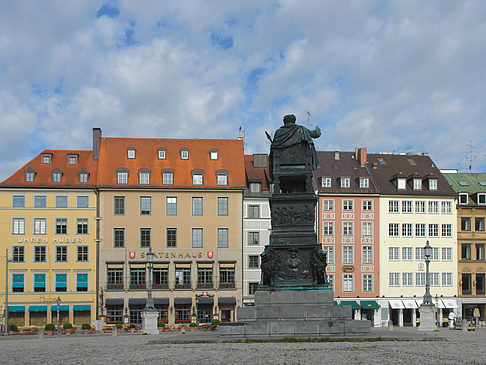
point(417, 184)
point(122, 176)
point(364, 182)
point(184, 154)
point(83, 176)
point(161, 154)
point(46, 158)
point(255, 187)
point(29, 175)
point(222, 176)
point(168, 177)
point(131, 153)
point(72, 159)
point(432, 184)
point(463, 198)
point(482, 198)
point(197, 177)
point(213, 154)
point(326, 182)
point(401, 183)
point(56, 176)
point(345, 182)
point(144, 177)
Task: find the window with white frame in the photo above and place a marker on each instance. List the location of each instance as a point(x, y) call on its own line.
point(161, 154)
point(446, 253)
point(131, 153)
point(364, 182)
point(328, 228)
point(435, 254)
point(367, 228)
point(56, 176)
point(82, 254)
point(326, 182)
point(367, 255)
point(419, 229)
point(223, 237)
point(348, 283)
point(40, 225)
point(197, 206)
point(463, 198)
point(419, 254)
point(40, 253)
point(197, 238)
point(406, 206)
point(197, 179)
point(481, 198)
point(145, 205)
point(447, 230)
point(18, 225)
point(433, 230)
point(348, 255)
point(417, 184)
point(171, 205)
point(61, 201)
point(432, 184)
point(330, 280)
point(348, 205)
point(420, 206)
point(213, 154)
point(367, 284)
point(434, 279)
point(61, 253)
point(29, 175)
point(328, 205)
point(122, 177)
point(394, 230)
point(348, 228)
point(393, 206)
point(46, 159)
point(367, 205)
point(407, 279)
point(345, 182)
point(81, 225)
point(401, 183)
point(446, 207)
point(434, 207)
point(222, 178)
point(446, 279)
point(329, 250)
point(407, 230)
point(393, 253)
point(83, 176)
point(394, 279)
point(72, 159)
point(168, 177)
point(144, 177)
point(255, 187)
point(407, 253)
point(184, 154)
point(82, 201)
point(420, 279)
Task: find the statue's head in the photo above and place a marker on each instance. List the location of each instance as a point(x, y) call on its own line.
point(289, 119)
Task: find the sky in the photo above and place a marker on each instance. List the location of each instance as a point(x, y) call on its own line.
point(391, 76)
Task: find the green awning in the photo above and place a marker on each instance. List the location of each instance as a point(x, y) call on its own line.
point(81, 307)
point(352, 303)
point(16, 308)
point(369, 304)
point(62, 308)
point(38, 308)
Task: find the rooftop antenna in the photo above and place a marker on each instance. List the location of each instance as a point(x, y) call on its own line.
point(472, 155)
point(242, 135)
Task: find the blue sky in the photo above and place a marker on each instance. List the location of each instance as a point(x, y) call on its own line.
point(386, 75)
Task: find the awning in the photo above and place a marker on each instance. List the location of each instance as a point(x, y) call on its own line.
point(114, 301)
point(161, 301)
point(62, 308)
point(81, 307)
point(369, 304)
point(205, 301)
point(396, 304)
point(182, 301)
point(227, 301)
point(16, 308)
point(82, 280)
point(438, 303)
point(38, 308)
point(61, 280)
point(449, 303)
point(419, 302)
point(136, 301)
point(353, 303)
point(409, 303)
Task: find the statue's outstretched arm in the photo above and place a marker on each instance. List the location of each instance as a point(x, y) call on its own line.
point(316, 132)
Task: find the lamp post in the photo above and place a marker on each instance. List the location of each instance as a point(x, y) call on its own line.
point(150, 260)
point(149, 313)
point(427, 309)
point(7, 260)
point(58, 302)
point(427, 254)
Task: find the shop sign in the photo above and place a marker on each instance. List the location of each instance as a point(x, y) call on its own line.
point(131, 254)
point(173, 255)
point(210, 254)
point(46, 240)
point(348, 268)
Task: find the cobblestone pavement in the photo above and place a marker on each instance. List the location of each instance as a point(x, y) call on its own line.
point(443, 347)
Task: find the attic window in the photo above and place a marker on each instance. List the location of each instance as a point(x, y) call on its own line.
point(411, 162)
point(46, 158)
point(83, 176)
point(131, 153)
point(122, 176)
point(144, 177)
point(381, 161)
point(72, 159)
point(364, 182)
point(168, 177)
point(29, 175)
point(482, 198)
point(433, 184)
point(401, 183)
point(482, 183)
point(326, 182)
point(184, 154)
point(463, 198)
point(197, 177)
point(213, 154)
point(463, 183)
point(161, 154)
point(56, 176)
point(255, 187)
point(222, 176)
point(345, 182)
point(417, 184)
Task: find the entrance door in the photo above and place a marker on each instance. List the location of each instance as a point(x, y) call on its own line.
point(225, 315)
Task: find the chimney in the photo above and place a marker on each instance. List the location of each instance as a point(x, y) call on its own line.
point(260, 161)
point(96, 143)
point(240, 134)
point(362, 156)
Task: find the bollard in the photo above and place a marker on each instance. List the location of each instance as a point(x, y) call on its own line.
point(113, 331)
point(41, 332)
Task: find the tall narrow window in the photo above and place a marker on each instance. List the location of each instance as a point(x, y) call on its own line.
point(118, 237)
point(145, 237)
point(40, 225)
point(197, 206)
point(222, 177)
point(222, 206)
point(144, 177)
point(131, 153)
point(61, 225)
point(145, 205)
point(197, 237)
point(18, 225)
point(168, 177)
point(119, 205)
point(171, 205)
point(222, 237)
point(171, 237)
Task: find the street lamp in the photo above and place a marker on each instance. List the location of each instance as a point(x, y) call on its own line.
point(149, 313)
point(427, 254)
point(427, 309)
point(7, 260)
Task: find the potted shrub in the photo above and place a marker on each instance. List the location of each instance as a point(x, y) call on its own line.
point(68, 328)
point(192, 326)
point(119, 327)
point(49, 328)
point(160, 325)
point(86, 327)
point(215, 324)
point(132, 327)
point(13, 329)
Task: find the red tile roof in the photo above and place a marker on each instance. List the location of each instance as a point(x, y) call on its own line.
point(256, 174)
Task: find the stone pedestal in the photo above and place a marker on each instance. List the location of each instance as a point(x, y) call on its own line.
point(149, 321)
point(427, 318)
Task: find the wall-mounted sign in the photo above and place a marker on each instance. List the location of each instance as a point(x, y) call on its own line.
point(421, 266)
point(348, 268)
point(131, 254)
point(210, 254)
point(46, 240)
point(173, 255)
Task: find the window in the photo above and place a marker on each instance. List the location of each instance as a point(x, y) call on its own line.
point(61, 282)
point(446, 279)
point(393, 229)
point(367, 255)
point(330, 280)
point(348, 228)
point(480, 284)
point(326, 182)
point(253, 261)
point(434, 279)
point(407, 253)
point(446, 253)
point(364, 182)
point(137, 277)
point(481, 198)
point(253, 211)
point(367, 228)
point(61, 254)
point(144, 177)
point(367, 282)
point(213, 154)
point(328, 228)
point(222, 178)
point(61, 201)
point(479, 223)
point(407, 230)
point(40, 225)
point(197, 237)
point(83, 177)
point(393, 206)
point(466, 284)
point(145, 205)
point(393, 253)
point(222, 237)
point(182, 278)
point(46, 159)
point(446, 230)
point(394, 279)
point(18, 283)
point(18, 225)
point(348, 205)
point(114, 313)
point(82, 282)
point(435, 254)
point(345, 182)
point(367, 205)
point(131, 153)
point(161, 154)
point(184, 154)
point(252, 288)
point(420, 206)
point(407, 279)
point(160, 278)
point(479, 251)
point(329, 250)
point(419, 254)
point(348, 255)
point(255, 187)
point(420, 279)
point(118, 237)
point(197, 179)
point(145, 237)
point(82, 225)
point(417, 184)
point(466, 251)
point(433, 230)
point(171, 205)
point(328, 205)
point(463, 198)
point(40, 254)
point(420, 230)
point(197, 206)
point(39, 282)
point(253, 238)
point(227, 277)
point(39, 201)
point(18, 201)
point(465, 223)
point(205, 277)
point(171, 234)
point(222, 206)
point(168, 177)
point(432, 184)
point(18, 254)
point(82, 201)
point(401, 183)
point(122, 177)
point(119, 205)
point(114, 277)
point(61, 225)
point(56, 176)
point(72, 159)
point(348, 282)
point(406, 206)
point(29, 175)
point(433, 207)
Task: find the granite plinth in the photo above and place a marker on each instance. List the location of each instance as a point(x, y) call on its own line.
point(149, 321)
point(427, 318)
